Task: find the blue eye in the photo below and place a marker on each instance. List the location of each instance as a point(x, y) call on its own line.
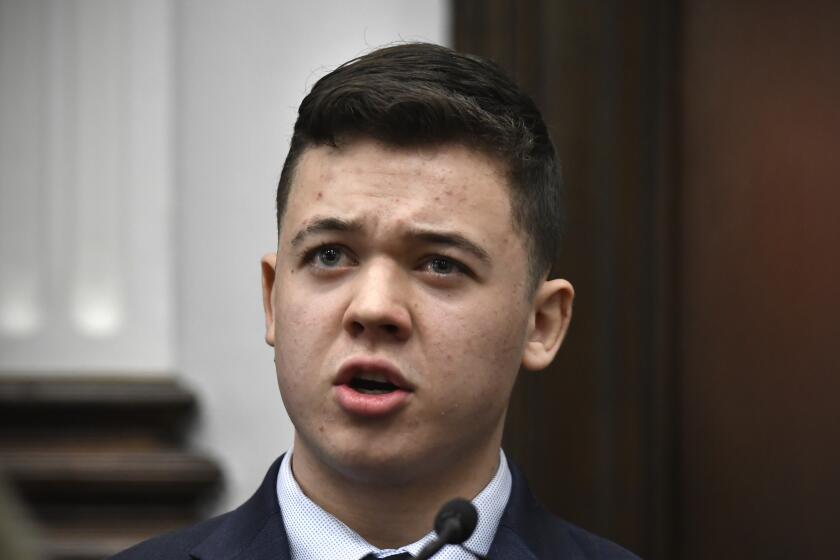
point(329, 256)
point(442, 266)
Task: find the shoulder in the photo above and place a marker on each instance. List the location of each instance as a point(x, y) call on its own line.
point(547, 536)
point(592, 546)
point(175, 545)
point(527, 524)
point(257, 524)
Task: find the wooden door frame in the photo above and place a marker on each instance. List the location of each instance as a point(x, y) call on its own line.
point(598, 433)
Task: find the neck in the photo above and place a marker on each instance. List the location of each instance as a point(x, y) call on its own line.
point(391, 515)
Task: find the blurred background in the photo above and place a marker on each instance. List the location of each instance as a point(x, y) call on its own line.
point(691, 414)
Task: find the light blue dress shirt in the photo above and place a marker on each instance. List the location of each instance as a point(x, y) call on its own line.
point(315, 534)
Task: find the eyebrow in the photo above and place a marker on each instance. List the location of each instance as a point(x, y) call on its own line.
point(321, 225)
point(450, 239)
point(435, 237)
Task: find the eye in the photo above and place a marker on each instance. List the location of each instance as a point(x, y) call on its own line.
point(328, 256)
point(443, 266)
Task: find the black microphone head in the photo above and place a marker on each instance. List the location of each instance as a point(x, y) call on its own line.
point(456, 521)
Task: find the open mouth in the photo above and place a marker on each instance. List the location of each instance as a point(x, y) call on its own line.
point(372, 384)
point(371, 388)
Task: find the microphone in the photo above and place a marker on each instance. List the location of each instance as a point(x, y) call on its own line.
point(454, 524)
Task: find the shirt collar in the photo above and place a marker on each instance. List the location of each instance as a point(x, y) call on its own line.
point(315, 534)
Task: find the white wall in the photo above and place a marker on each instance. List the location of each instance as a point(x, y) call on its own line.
point(85, 186)
point(140, 146)
point(241, 70)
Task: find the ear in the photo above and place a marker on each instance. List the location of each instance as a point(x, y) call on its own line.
point(269, 264)
point(550, 317)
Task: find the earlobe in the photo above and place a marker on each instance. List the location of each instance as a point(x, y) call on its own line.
point(550, 317)
point(268, 264)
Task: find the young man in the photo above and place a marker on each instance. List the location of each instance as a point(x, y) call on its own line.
point(419, 217)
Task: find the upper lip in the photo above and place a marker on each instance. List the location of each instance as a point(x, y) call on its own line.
point(354, 366)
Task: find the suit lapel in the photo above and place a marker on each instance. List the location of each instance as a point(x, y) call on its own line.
point(507, 545)
point(254, 531)
point(528, 532)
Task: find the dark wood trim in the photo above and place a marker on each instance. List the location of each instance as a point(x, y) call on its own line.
point(597, 433)
point(661, 225)
point(102, 463)
point(83, 476)
point(98, 405)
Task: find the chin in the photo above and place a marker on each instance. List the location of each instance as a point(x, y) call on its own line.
point(367, 462)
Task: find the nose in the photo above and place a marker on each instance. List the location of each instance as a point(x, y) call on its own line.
point(379, 308)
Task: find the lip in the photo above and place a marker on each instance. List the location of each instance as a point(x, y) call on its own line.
point(369, 405)
point(351, 367)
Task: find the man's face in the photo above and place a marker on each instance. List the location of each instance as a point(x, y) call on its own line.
point(398, 307)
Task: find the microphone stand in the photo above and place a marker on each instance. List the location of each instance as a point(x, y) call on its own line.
point(454, 524)
point(451, 526)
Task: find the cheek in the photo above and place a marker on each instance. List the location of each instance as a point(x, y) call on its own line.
point(497, 333)
point(298, 355)
point(300, 311)
point(303, 323)
point(482, 348)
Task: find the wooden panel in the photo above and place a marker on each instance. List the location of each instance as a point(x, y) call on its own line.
point(595, 432)
point(101, 462)
point(164, 476)
point(761, 445)
point(108, 410)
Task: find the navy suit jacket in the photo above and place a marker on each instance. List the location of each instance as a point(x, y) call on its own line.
point(255, 531)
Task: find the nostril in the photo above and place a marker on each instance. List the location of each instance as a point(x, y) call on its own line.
point(356, 328)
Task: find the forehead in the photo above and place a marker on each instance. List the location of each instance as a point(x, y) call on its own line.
point(447, 186)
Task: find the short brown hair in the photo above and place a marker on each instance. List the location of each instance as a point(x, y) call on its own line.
point(419, 94)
